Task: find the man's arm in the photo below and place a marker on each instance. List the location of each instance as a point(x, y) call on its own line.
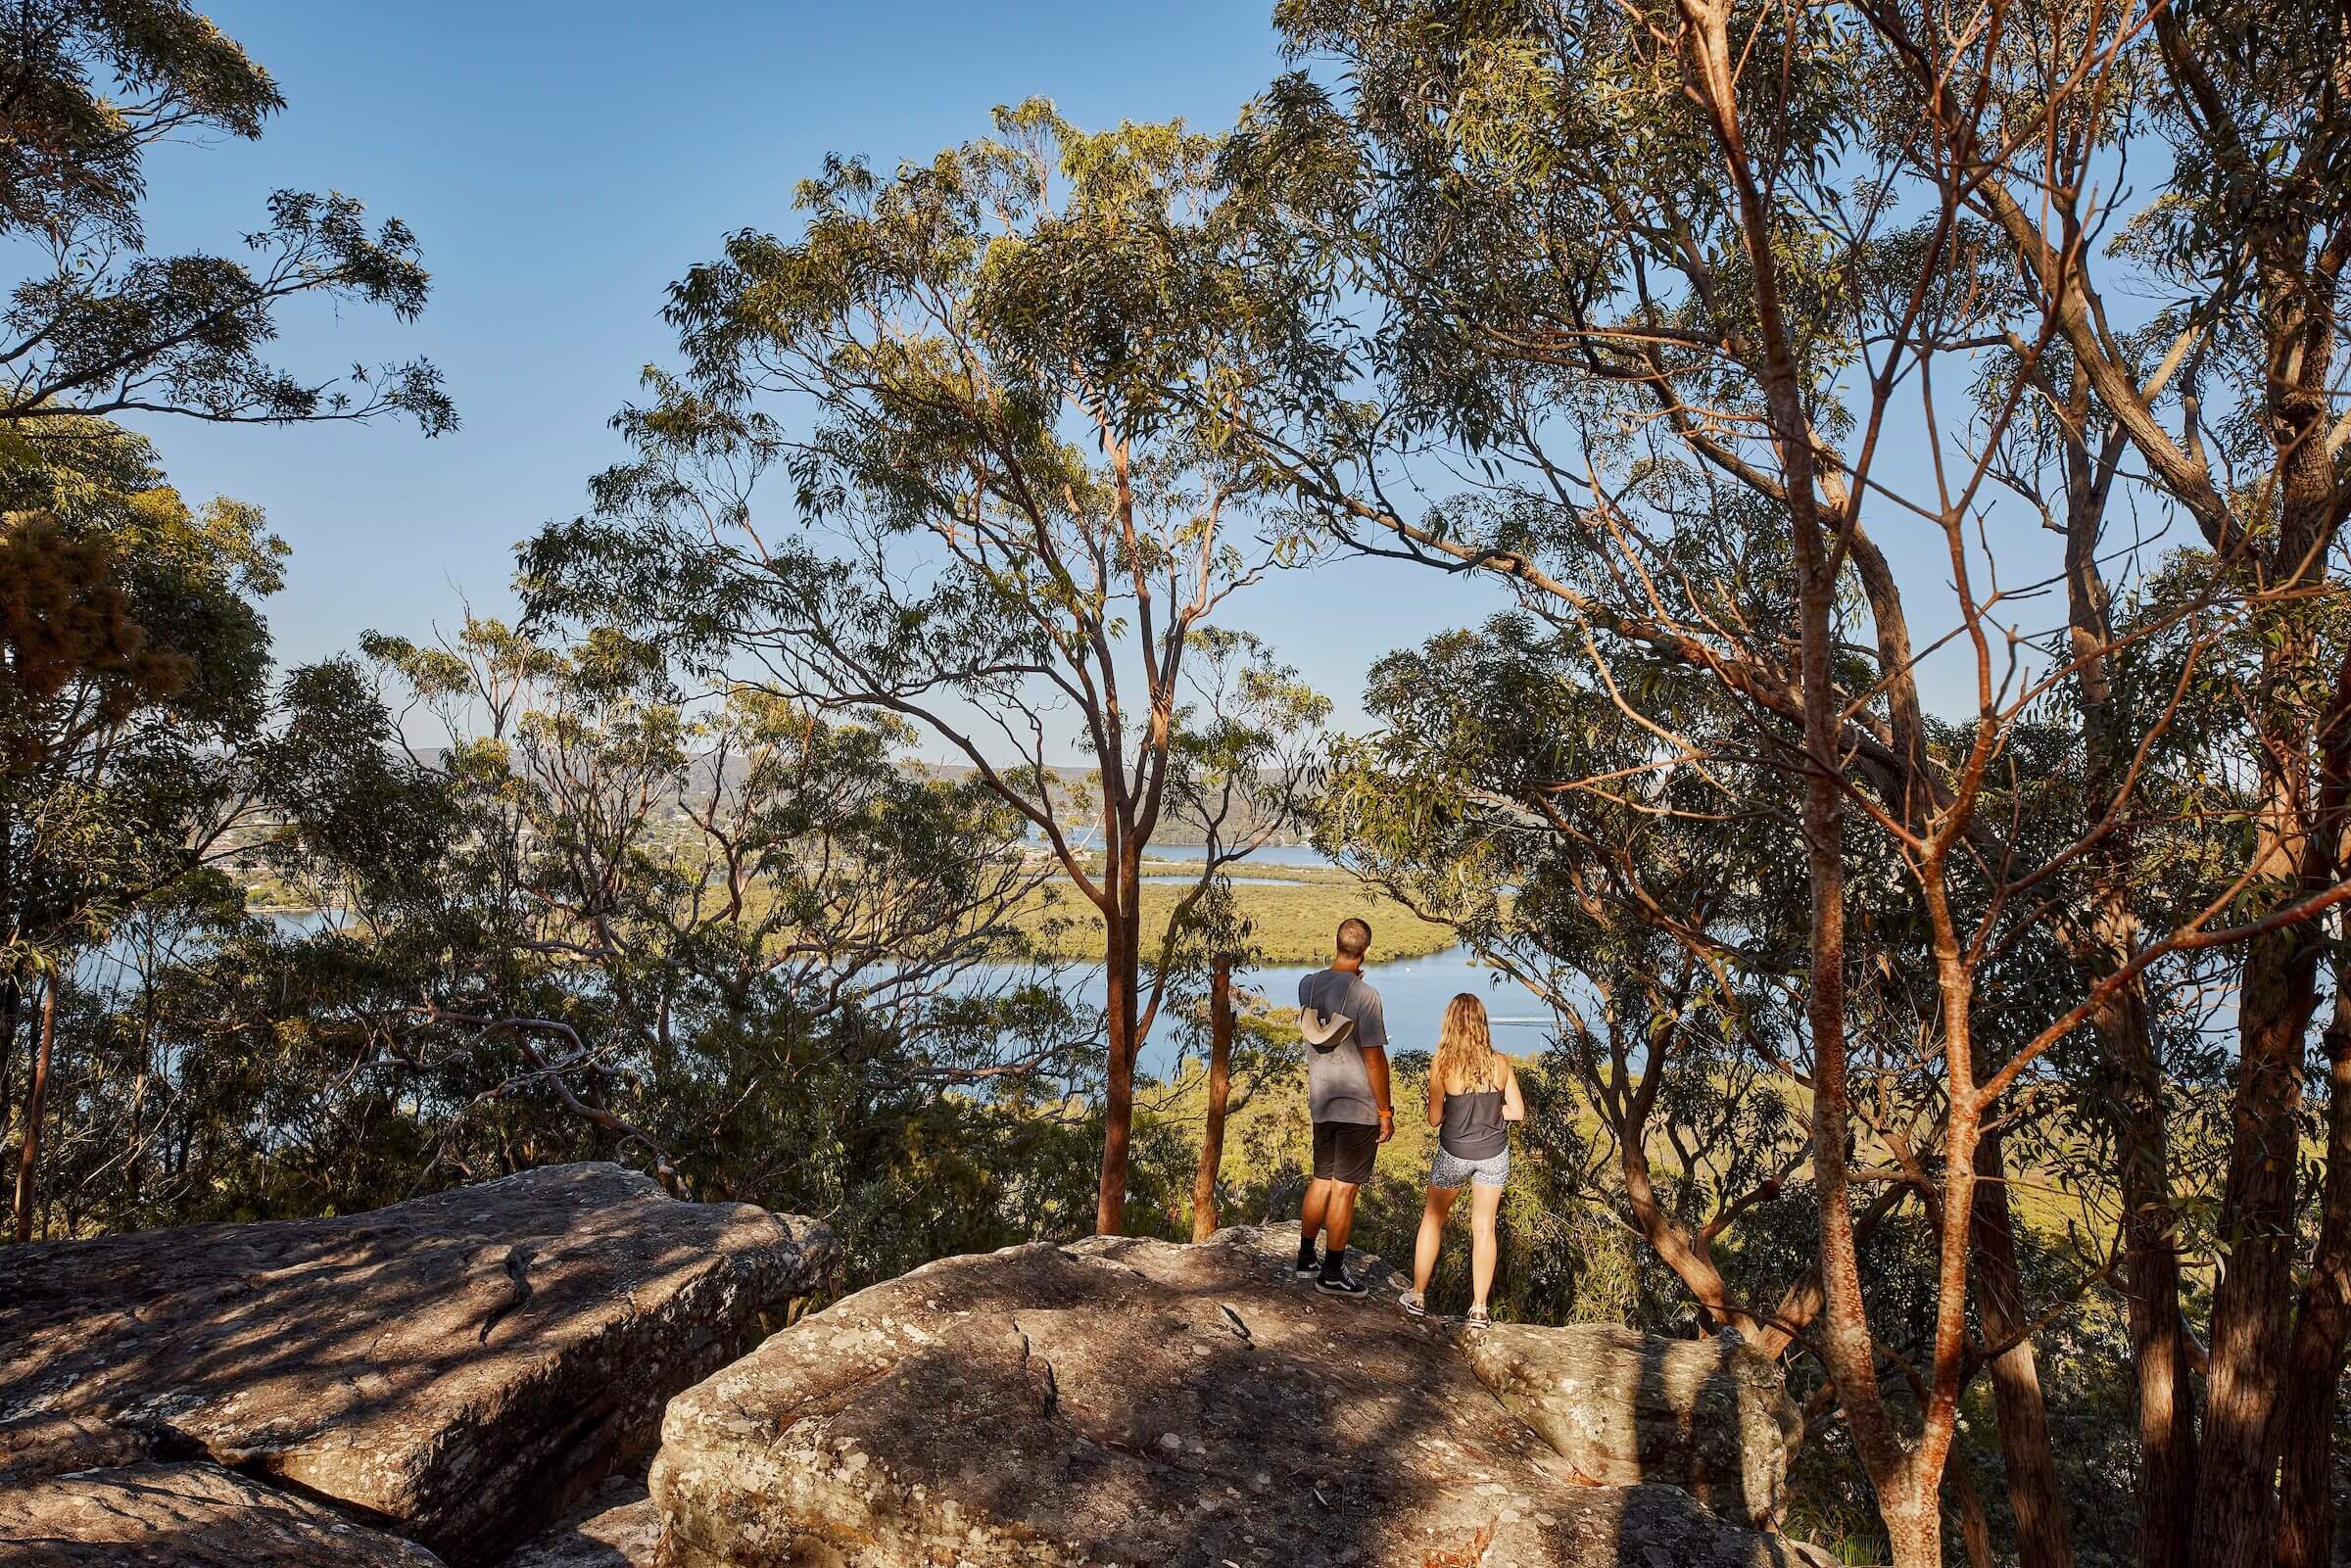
point(1375, 1067)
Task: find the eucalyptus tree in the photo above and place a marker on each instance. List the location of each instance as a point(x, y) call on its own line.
point(129, 678)
point(2237, 400)
point(756, 916)
point(1658, 932)
point(98, 324)
point(147, 738)
point(132, 662)
point(198, 1076)
point(1010, 522)
point(1690, 281)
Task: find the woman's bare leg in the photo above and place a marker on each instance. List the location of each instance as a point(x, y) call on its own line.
point(1432, 1234)
point(1484, 1204)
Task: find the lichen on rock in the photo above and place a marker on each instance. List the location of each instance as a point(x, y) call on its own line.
point(1138, 1403)
point(461, 1369)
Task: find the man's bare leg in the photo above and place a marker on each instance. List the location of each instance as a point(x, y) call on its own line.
point(1337, 1220)
point(1310, 1212)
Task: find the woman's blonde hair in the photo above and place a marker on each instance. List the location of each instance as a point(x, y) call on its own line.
point(1466, 1053)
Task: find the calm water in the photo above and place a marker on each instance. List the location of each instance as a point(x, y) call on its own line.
point(1414, 991)
point(1271, 855)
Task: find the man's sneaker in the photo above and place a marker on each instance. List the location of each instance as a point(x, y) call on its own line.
point(1308, 1262)
point(1339, 1282)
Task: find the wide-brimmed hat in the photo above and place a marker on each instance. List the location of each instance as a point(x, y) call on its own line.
point(1323, 1030)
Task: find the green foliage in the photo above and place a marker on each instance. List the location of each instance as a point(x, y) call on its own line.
point(753, 949)
point(93, 84)
point(973, 456)
point(137, 696)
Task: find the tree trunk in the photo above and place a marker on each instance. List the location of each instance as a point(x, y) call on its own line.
point(2252, 1328)
point(1627, 1113)
point(2136, 1104)
point(2303, 1436)
point(12, 1001)
point(2237, 1501)
point(2043, 1539)
point(35, 1101)
point(1219, 1093)
point(2159, 1351)
point(1117, 1112)
point(1913, 1526)
point(2305, 1417)
point(1975, 1529)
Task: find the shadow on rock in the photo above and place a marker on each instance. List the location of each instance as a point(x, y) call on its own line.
point(1143, 1403)
point(461, 1369)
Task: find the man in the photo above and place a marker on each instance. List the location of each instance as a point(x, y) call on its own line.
point(1347, 1088)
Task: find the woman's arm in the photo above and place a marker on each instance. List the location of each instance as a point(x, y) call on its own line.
point(1514, 1106)
point(1437, 1096)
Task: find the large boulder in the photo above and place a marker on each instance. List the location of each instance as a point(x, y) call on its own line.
point(460, 1369)
point(36, 1445)
point(1138, 1403)
point(1710, 1416)
point(182, 1516)
point(617, 1527)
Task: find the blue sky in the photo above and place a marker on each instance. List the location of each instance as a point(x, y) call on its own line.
point(562, 164)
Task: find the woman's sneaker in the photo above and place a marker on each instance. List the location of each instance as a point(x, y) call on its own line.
point(1336, 1280)
point(1477, 1318)
point(1414, 1304)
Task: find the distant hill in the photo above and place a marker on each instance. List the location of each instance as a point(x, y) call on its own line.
point(1173, 832)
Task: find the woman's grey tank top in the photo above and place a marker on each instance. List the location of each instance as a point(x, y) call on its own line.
point(1473, 1127)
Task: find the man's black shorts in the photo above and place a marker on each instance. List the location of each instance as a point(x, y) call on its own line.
point(1343, 1151)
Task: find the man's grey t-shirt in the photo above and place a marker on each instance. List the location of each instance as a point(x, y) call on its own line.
point(1337, 1087)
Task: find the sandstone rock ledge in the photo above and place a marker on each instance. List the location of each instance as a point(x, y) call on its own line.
point(1709, 1416)
point(460, 1369)
point(1138, 1403)
point(617, 1527)
point(187, 1515)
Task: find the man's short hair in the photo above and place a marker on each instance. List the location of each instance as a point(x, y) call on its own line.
point(1354, 937)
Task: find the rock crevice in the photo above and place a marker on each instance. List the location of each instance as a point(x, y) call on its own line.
point(461, 1369)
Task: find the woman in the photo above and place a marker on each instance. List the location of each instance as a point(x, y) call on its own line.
point(1473, 1098)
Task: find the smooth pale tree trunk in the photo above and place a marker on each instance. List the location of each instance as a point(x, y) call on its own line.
point(1220, 1094)
point(35, 1103)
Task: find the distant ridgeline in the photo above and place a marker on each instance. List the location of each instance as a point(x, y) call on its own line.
point(1069, 792)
